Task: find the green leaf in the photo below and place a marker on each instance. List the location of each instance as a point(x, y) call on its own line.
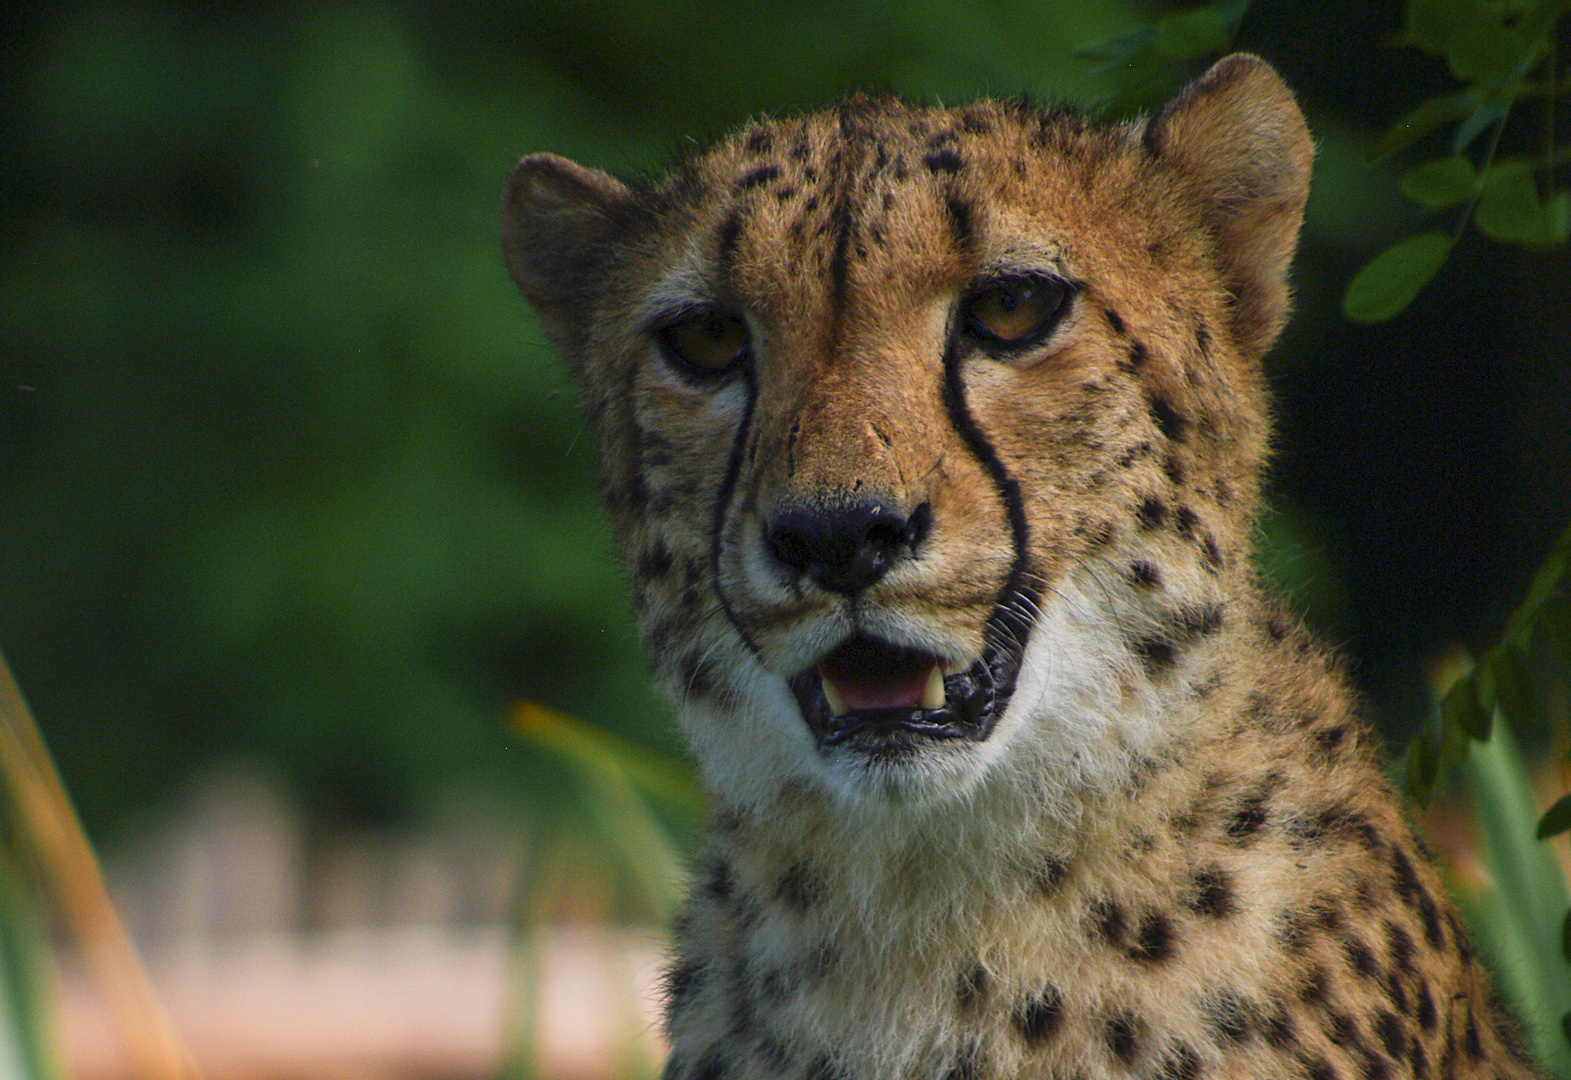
point(1441, 183)
point(1479, 118)
point(1509, 209)
point(1551, 572)
point(1513, 685)
point(1191, 34)
point(1116, 50)
point(1556, 820)
point(1461, 709)
point(1431, 24)
point(1565, 1021)
point(1420, 122)
point(1390, 280)
point(1488, 52)
point(1422, 767)
point(1555, 618)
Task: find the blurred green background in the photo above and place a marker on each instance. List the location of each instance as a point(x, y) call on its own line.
point(289, 475)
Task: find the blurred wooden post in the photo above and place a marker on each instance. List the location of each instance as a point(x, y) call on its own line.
point(46, 819)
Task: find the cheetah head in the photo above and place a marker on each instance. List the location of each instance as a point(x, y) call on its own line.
point(923, 428)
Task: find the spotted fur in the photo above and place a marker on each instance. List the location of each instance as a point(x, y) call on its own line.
point(1172, 854)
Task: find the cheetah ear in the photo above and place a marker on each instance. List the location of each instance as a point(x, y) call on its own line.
point(1238, 136)
point(558, 220)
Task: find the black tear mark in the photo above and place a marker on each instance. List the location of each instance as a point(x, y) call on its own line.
point(757, 177)
point(1036, 1018)
point(946, 160)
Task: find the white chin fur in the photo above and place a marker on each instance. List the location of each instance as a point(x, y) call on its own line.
point(1068, 690)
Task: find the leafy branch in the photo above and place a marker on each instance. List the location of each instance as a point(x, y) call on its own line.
point(1504, 53)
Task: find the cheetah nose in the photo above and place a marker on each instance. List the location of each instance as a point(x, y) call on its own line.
point(845, 547)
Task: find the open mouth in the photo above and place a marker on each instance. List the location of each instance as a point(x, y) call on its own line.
point(868, 690)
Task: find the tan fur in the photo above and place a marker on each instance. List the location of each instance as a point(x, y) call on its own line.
point(1174, 855)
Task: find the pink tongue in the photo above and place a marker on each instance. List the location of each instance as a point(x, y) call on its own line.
point(872, 676)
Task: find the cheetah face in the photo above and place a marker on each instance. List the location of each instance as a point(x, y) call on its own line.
point(894, 402)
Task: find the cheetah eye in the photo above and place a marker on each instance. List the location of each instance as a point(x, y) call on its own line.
point(706, 345)
point(1014, 312)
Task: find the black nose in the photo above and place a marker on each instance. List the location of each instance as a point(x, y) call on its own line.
point(845, 547)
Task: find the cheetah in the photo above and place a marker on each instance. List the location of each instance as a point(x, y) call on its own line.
point(932, 438)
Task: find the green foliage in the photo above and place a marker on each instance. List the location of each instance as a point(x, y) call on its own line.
point(26, 1048)
point(1505, 54)
point(1139, 70)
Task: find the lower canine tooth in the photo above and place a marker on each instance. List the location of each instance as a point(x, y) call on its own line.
point(837, 705)
point(933, 693)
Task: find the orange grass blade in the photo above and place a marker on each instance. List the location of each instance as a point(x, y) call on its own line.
point(49, 824)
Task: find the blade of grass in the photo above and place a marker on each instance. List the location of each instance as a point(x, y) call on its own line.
point(1530, 895)
point(45, 816)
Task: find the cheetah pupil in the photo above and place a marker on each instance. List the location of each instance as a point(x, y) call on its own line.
point(933, 439)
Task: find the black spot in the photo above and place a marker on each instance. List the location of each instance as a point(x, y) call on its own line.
point(1396, 992)
point(1049, 873)
point(654, 563)
point(697, 675)
point(1326, 914)
point(1426, 1007)
point(777, 984)
point(1173, 426)
point(1399, 943)
point(760, 141)
point(730, 233)
point(680, 985)
point(1203, 339)
point(1342, 1029)
point(1153, 939)
point(1145, 574)
point(946, 160)
point(1122, 1037)
point(1470, 1040)
point(1037, 1017)
point(1227, 1017)
point(960, 222)
point(1360, 959)
point(755, 177)
point(1152, 512)
point(1319, 1069)
point(1137, 354)
point(1157, 654)
point(1174, 469)
point(1210, 553)
point(1431, 916)
point(1420, 1061)
point(1392, 1035)
point(972, 987)
point(712, 1066)
point(1375, 1067)
point(824, 1068)
point(1114, 321)
point(1279, 1028)
point(1211, 893)
point(1404, 878)
point(797, 888)
point(1249, 818)
point(1329, 740)
point(1180, 1063)
point(720, 884)
point(966, 1066)
point(1186, 521)
point(1108, 919)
